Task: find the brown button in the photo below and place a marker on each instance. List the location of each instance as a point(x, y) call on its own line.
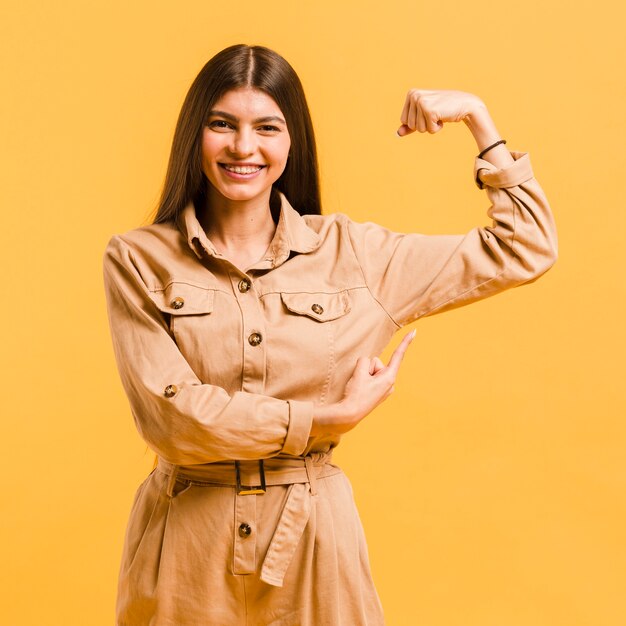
point(317, 308)
point(255, 339)
point(245, 531)
point(244, 285)
point(177, 303)
point(170, 391)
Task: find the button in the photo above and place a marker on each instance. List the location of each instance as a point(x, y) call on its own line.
point(170, 391)
point(245, 531)
point(177, 303)
point(244, 285)
point(317, 308)
point(255, 339)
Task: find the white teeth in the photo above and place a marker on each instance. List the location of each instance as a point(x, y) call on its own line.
point(247, 169)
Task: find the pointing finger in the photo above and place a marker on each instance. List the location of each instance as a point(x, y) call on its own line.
point(398, 353)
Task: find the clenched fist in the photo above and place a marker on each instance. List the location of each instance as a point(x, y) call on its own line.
point(428, 109)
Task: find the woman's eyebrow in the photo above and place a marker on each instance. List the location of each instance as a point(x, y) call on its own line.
point(258, 120)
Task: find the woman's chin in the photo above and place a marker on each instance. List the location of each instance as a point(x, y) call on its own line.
point(241, 193)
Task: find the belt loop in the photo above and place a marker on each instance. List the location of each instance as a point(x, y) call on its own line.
point(172, 481)
point(310, 470)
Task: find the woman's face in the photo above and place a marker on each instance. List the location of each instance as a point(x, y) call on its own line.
point(245, 144)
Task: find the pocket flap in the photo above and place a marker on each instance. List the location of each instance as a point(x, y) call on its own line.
point(319, 306)
point(179, 298)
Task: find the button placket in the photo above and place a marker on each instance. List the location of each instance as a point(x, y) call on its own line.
point(254, 355)
point(244, 555)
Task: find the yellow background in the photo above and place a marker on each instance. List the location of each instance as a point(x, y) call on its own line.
point(491, 484)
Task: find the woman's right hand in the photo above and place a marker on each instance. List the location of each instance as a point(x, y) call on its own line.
point(370, 384)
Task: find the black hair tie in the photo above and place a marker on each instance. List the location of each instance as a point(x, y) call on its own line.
point(493, 145)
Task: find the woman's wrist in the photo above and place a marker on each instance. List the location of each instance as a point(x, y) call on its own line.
point(328, 419)
point(485, 134)
point(481, 126)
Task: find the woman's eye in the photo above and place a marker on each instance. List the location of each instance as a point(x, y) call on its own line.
point(222, 124)
point(219, 124)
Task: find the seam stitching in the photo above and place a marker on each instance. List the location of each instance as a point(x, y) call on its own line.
point(345, 226)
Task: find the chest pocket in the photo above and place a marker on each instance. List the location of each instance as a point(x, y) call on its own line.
point(178, 298)
point(188, 311)
point(322, 307)
point(305, 336)
point(185, 307)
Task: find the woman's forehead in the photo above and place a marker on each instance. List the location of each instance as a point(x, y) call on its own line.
point(248, 102)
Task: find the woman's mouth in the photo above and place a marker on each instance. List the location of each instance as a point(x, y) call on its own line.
point(241, 171)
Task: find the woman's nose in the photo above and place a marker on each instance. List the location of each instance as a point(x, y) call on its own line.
point(243, 142)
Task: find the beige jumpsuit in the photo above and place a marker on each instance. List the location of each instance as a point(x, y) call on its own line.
point(221, 364)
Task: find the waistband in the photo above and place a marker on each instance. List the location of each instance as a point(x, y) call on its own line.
point(301, 473)
point(277, 471)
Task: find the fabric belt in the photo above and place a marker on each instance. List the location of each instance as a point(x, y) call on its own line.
point(300, 473)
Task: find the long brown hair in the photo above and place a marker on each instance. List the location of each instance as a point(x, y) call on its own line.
point(237, 66)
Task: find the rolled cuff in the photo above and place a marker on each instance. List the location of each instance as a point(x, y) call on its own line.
point(300, 422)
point(486, 174)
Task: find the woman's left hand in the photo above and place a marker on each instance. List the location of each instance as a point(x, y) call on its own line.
point(428, 109)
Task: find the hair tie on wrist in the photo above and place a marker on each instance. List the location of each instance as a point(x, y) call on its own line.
point(493, 145)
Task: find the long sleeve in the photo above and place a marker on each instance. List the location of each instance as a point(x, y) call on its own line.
point(412, 275)
point(182, 419)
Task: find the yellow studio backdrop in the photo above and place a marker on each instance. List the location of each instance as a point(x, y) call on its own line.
point(491, 484)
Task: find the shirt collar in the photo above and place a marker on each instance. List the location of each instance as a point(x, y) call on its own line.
point(292, 234)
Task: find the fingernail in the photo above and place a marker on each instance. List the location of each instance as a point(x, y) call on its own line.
point(413, 332)
point(398, 133)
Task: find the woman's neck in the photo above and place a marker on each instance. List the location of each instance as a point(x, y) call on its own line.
point(240, 230)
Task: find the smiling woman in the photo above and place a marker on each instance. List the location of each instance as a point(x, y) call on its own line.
point(243, 321)
point(240, 146)
point(242, 157)
point(278, 95)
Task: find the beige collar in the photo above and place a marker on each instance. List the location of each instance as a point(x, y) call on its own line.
point(292, 233)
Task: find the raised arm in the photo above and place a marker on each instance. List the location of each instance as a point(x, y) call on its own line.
point(413, 275)
point(427, 110)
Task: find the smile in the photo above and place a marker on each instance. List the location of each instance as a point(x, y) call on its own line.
point(242, 169)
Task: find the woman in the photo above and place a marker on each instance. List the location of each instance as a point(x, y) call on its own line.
point(242, 320)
